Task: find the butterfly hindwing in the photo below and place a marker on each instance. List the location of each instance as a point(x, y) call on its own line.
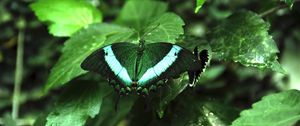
point(152, 55)
point(203, 58)
point(165, 60)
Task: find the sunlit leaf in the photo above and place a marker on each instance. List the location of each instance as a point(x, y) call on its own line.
point(199, 4)
point(290, 3)
point(139, 13)
point(165, 28)
point(281, 109)
point(65, 17)
point(79, 46)
point(244, 38)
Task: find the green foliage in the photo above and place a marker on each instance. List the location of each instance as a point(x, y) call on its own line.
point(150, 17)
point(83, 43)
point(165, 28)
point(66, 16)
point(79, 102)
point(108, 115)
point(281, 109)
point(199, 4)
point(190, 111)
point(224, 89)
point(244, 38)
point(9, 121)
point(290, 3)
point(138, 14)
point(78, 47)
point(168, 94)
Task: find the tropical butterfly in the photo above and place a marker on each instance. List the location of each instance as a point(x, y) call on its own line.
point(137, 68)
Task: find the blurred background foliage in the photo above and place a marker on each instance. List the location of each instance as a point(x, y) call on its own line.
point(226, 82)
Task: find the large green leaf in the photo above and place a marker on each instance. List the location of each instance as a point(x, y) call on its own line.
point(244, 38)
point(281, 109)
point(80, 101)
point(66, 16)
point(199, 4)
point(138, 13)
point(165, 28)
point(79, 46)
point(150, 20)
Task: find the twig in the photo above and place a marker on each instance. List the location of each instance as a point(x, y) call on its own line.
point(272, 10)
point(18, 75)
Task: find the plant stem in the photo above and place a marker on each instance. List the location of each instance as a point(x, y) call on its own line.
point(272, 10)
point(18, 75)
point(276, 8)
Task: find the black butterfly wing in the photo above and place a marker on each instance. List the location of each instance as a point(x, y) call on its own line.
point(113, 61)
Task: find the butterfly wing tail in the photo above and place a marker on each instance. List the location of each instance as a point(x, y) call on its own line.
point(203, 58)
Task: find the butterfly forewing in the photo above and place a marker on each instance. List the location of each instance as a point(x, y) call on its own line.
point(113, 61)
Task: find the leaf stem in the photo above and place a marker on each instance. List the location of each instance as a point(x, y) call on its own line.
point(272, 10)
point(276, 8)
point(18, 75)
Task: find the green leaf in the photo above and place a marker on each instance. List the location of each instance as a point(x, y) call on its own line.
point(65, 17)
point(281, 109)
point(8, 120)
point(165, 28)
point(150, 20)
point(199, 4)
point(244, 38)
point(290, 3)
point(108, 115)
point(139, 13)
point(168, 93)
point(193, 111)
point(78, 47)
point(80, 101)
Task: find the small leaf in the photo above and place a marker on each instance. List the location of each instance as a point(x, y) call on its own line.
point(80, 101)
point(281, 109)
point(138, 13)
point(78, 47)
point(199, 4)
point(244, 38)
point(290, 3)
point(165, 28)
point(66, 16)
point(8, 120)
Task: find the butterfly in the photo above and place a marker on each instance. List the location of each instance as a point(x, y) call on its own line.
point(141, 68)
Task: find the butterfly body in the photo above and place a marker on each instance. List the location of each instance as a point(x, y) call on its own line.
point(140, 68)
